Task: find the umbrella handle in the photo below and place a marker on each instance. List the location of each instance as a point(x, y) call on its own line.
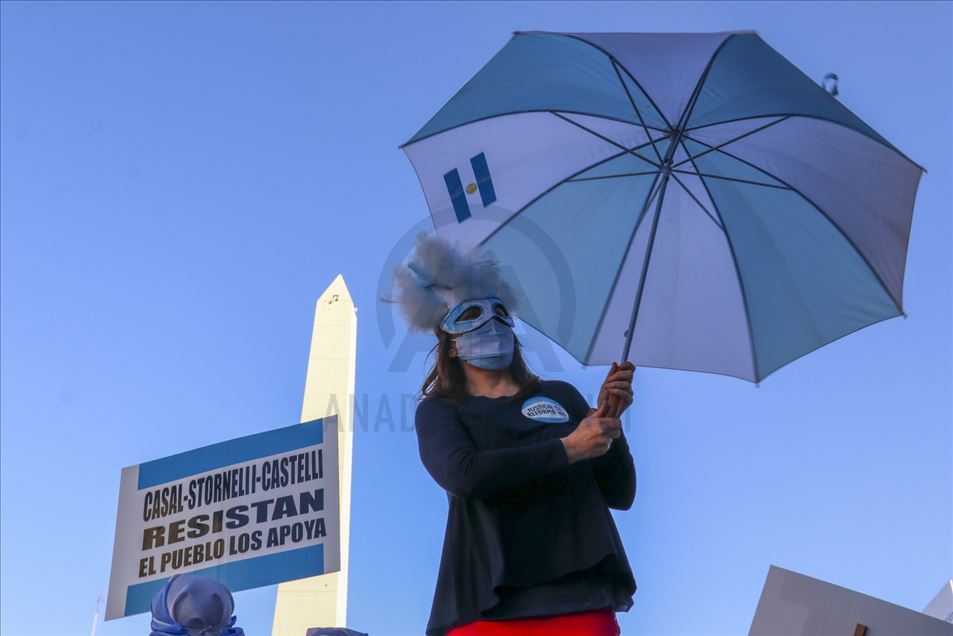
point(612, 400)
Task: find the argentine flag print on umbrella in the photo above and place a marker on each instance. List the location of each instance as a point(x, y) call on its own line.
point(681, 200)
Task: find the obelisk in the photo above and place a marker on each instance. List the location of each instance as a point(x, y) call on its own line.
point(321, 601)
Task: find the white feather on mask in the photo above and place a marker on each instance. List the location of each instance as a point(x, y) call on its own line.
point(438, 276)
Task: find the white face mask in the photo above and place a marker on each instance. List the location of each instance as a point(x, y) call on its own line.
point(489, 346)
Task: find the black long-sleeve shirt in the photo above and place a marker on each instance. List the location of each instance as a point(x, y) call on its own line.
point(528, 534)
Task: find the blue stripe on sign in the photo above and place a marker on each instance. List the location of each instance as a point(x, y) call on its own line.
point(233, 451)
point(482, 173)
point(457, 195)
point(240, 575)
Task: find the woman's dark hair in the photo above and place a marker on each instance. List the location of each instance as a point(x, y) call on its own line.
point(447, 379)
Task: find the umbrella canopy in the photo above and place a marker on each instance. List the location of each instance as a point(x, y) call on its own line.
point(681, 200)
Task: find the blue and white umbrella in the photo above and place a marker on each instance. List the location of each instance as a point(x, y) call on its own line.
point(681, 200)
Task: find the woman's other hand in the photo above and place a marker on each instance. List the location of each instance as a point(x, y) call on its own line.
point(617, 388)
point(593, 436)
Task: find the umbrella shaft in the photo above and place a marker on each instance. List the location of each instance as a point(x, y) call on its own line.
point(645, 264)
point(666, 169)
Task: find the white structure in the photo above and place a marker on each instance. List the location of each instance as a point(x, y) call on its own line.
point(942, 604)
point(321, 601)
point(796, 605)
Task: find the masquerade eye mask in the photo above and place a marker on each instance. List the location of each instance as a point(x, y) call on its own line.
point(472, 314)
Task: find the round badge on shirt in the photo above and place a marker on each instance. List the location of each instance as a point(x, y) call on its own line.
point(544, 409)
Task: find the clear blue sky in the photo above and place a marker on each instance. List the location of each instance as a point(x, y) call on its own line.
point(179, 183)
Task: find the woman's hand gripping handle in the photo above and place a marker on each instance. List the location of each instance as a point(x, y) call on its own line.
point(617, 388)
point(593, 436)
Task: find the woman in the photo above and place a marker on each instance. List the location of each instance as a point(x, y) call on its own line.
point(530, 470)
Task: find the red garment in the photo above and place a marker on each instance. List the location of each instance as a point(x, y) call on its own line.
point(599, 622)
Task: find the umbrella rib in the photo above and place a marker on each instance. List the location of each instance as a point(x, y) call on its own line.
point(522, 112)
point(653, 191)
point(620, 65)
point(880, 141)
point(635, 108)
point(809, 116)
point(700, 204)
point(840, 337)
point(612, 176)
point(725, 143)
point(734, 260)
point(677, 133)
point(817, 207)
point(644, 274)
point(611, 141)
point(736, 179)
point(746, 118)
point(556, 185)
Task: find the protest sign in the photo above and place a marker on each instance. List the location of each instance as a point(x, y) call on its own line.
point(248, 512)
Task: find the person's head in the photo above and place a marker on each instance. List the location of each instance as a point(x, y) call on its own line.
point(462, 298)
point(476, 338)
point(194, 605)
